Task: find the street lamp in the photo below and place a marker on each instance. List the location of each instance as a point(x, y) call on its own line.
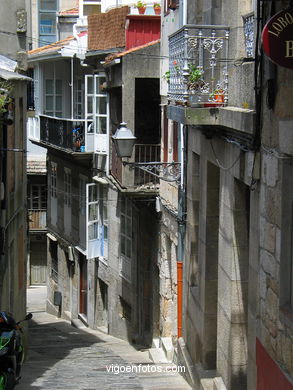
point(124, 141)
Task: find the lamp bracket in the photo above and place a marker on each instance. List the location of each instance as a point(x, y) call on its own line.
point(167, 171)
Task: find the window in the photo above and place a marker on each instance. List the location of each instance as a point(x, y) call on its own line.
point(53, 97)
point(47, 22)
point(82, 195)
point(126, 239)
point(175, 141)
point(54, 260)
point(38, 197)
point(104, 220)
point(53, 180)
point(78, 98)
point(67, 187)
point(91, 7)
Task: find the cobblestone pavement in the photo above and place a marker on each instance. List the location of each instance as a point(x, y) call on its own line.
point(63, 357)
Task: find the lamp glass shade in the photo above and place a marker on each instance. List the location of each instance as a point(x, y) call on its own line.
point(124, 141)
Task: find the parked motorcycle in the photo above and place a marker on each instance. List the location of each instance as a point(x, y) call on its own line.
point(11, 350)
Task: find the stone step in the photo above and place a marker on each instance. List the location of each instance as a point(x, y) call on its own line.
point(156, 343)
point(77, 323)
point(167, 346)
point(157, 355)
point(219, 384)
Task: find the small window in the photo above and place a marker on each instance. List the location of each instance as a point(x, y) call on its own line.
point(38, 197)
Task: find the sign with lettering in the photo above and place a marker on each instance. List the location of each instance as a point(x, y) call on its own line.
point(277, 38)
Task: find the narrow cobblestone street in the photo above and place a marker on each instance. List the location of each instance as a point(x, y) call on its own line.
point(63, 357)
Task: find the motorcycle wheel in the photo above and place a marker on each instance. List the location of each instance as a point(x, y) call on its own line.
point(8, 381)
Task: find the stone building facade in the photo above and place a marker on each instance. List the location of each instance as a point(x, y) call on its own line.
point(237, 319)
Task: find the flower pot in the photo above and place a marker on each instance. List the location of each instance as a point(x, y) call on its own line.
point(219, 98)
point(141, 10)
point(157, 11)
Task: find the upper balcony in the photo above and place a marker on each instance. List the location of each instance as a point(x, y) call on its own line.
point(70, 135)
point(198, 81)
point(198, 66)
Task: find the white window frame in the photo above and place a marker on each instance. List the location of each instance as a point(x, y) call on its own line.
point(54, 95)
point(42, 36)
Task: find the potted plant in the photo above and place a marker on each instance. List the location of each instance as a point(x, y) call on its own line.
point(194, 78)
point(157, 8)
point(141, 6)
point(219, 96)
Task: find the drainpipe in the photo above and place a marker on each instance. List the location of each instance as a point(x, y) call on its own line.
point(71, 85)
point(181, 235)
point(184, 11)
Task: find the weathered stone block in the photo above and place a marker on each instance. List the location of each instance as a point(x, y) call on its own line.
point(270, 172)
point(268, 262)
point(267, 235)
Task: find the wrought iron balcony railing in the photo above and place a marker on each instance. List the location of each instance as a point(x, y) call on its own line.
point(64, 133)
point(198, 66)
point(143, 153)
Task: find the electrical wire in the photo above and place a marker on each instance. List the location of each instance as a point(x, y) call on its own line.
point(218, 161)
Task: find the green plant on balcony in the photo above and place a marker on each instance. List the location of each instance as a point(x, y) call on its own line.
point(157, 8)
point(166, 76)
point(141, 6)
point(218, 95)
point(194, 77)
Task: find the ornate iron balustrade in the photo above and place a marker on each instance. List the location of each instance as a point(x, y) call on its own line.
point(64, 133)
point(198, 66)
point(248, 25)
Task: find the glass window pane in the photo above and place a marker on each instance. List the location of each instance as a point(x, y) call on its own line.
point(92, 193)
point(49, 87)
point(49, 5)
point(47, 23)
point(93, 231)
point(105, 232)
point(100, 84)
point(90, 85)
point(122, 224)
point(93, 212)
point(123, 246)
point(128, 248)
point(101, 105)
point(58, 87)
point(101, 125)
point(128, 227)
point(58, 103)
point(49, 103)
point(90, 104)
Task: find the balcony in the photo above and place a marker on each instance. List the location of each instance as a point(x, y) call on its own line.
point(137, 179)
point(198, 66)
point(72, 135)
point(63, 133)
point(37, 220)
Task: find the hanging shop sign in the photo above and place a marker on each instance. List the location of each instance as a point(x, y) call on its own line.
point(277, 38)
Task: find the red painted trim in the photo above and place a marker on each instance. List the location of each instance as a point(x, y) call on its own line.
point(269, 374)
